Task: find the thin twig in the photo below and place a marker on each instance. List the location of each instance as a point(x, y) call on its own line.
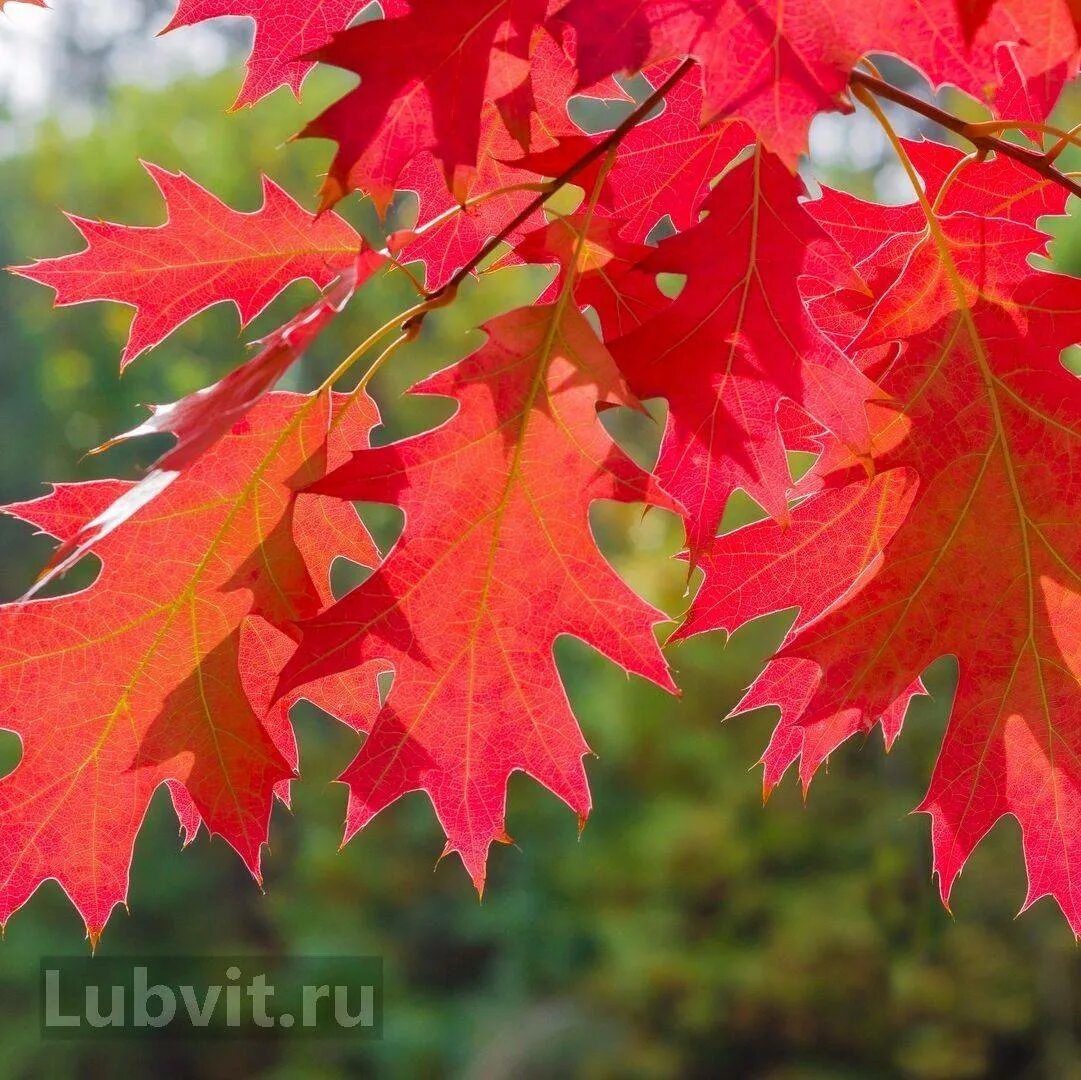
point(595, 153)
point(1038, 162)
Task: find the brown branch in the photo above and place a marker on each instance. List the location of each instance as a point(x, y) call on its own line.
point(595, 153)
point(1037, 161)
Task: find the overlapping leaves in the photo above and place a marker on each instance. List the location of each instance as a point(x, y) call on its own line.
point(982, 430)
point(916, 349)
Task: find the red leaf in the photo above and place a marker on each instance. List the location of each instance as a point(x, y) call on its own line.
point(832, 542)
point(1001, 188)
point(604, 267)
point(424, 80)
point(880, 239)
point(664, 166)
point(832, 546)
point(497, 560)
point(985, 565)
point(204, 254)
point(788, 683)
point(736, 341)
point(448, 231)
point(200, 419)
point(776, 63)
point(974, 13)
point(324, 529)
point(134, 681)
point(286, 33)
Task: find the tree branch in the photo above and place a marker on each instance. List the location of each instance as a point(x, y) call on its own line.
point(595, 153)
point(1038, 162)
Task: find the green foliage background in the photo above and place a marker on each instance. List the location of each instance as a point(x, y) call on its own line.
point(689, 932)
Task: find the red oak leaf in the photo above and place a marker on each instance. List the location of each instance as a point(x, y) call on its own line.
point(427, 96)
point(777, 63)
point(324, 530)
point(665, 164)
point(833, 541)
point(736, 341)
point(603, 266)
point(985, 566)
point(974, 13)
point(1001, 187)
point(286, 33)
point(204, 254)
point(135, 681)
point(200, 419)
point(832, 546)
point(880, 240)
point(496, 561)
point(449, 232)
point(787, 684)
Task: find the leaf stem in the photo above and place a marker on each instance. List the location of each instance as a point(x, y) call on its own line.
point(399, 321)
point(977, 134)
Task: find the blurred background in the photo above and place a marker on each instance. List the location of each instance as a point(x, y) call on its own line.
point(690, 931)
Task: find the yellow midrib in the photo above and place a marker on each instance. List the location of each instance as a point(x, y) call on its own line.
point(172, 610)
point(1001, 440)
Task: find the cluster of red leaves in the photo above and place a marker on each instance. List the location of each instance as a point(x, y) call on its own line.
point(916, 349)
